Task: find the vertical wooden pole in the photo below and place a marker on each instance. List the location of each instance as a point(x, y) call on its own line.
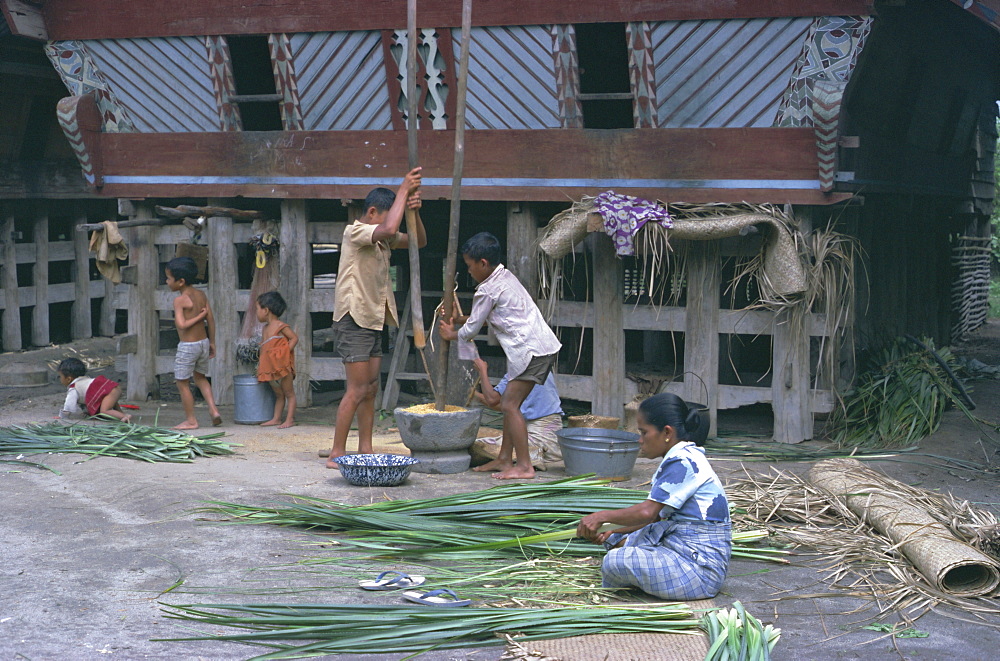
point(82, 324)
point(609, 336)
point(143, 320)
point(222, 288)
point(12, 302)
point(296, 286)
point(522, 239)
point(40, 317)
point(701, 333)
point(451, 257)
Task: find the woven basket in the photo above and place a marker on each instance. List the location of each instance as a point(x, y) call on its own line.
point(947, 563)
point(565, 230)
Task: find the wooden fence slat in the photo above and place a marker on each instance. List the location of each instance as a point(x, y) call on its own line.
point(793, 420)
point(12, 302)
point(296, 283)
point(40, 314)
point(82, 322)
point(222, 284)
point(109, 309)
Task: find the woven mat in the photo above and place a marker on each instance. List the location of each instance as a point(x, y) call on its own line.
point(621, 646)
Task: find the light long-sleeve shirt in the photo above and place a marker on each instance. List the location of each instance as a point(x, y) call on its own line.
point(77, 396)
point(503, 302)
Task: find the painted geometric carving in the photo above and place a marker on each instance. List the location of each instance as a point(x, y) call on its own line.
point(285, 81)
point(434, 73)
point(431, 72)
point(567, 76)
point(80, 120)
point(81, 76)
point(827, 96)
point(223, 84)
point(641, 75)
point(829, 53)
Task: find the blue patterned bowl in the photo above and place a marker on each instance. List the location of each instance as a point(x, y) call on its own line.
point(375, 470)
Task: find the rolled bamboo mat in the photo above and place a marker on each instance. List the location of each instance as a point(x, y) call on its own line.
point(952, 566)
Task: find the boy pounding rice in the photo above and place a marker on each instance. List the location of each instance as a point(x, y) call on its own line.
point(365, 304)
point(527, 341)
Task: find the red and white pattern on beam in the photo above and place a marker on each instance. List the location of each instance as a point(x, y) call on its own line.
point(80, 119)
point(829, 53)
point(826, 116)
point(285, 81)
point(641, 75)
point(223, 83)
point(567, 76)
point(81, 76)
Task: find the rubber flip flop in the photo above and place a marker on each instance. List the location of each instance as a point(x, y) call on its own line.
point(216, 421)
point(440, 597)
point(392, 580)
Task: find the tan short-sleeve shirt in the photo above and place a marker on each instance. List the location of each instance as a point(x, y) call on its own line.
point(363, 287)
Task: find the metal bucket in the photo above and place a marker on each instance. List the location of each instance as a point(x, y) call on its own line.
point(253, 401)
point(606, 452)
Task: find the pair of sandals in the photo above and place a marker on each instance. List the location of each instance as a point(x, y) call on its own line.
point(395, 580)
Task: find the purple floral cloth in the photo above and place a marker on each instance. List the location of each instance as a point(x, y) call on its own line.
point(624, 216)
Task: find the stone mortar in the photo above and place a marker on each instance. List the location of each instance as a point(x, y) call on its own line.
point(439, 434)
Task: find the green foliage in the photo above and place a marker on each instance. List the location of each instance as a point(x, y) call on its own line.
point(995, 295)
point(898, 401)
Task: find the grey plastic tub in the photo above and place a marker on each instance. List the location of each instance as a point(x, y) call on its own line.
point(606, 452)
point(253, 401)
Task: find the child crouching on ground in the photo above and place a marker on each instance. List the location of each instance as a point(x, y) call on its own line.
point(528, 342)
point(98, 395)
point(277, 357)
point(542, 411)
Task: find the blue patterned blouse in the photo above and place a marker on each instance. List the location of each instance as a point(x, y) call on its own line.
point(686, 482)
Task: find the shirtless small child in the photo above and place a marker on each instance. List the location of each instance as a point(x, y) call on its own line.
point(196, 330)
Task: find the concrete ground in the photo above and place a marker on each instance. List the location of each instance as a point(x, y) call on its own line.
point(87, 555)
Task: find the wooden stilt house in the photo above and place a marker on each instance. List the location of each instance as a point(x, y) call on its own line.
point(874, 118)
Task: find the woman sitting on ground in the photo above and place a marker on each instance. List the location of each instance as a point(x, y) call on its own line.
point(677, 543)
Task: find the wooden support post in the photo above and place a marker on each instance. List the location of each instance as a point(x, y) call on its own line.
point(609, 336)
point(40, 316)
point(522, 242)
point(82, 325)
point(143, 320)
point(12, 301)
point(296, 285)
point(109, 310)
point(222, 290)
point(790, 388)
point(701, 333)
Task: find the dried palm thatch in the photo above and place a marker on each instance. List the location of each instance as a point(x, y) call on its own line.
point(854, 557)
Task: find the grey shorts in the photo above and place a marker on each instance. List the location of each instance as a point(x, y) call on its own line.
point(191, 357)
point(537, 370)
point(355, 344)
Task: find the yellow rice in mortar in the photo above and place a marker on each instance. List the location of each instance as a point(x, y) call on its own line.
point(421, 409)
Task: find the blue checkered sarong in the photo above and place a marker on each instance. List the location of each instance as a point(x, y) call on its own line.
point(671, 559)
